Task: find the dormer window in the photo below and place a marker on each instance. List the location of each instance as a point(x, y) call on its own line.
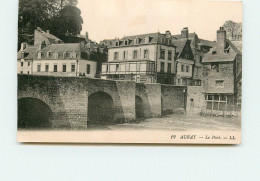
point(137, 41)
point(147, 39)
point(126, 42)
point(39, 55)
point(162, 40)
point(74, 55)
point(226, 50)
point(56, 55)
point(47, 55)
point(117, 43)
point(64, 55)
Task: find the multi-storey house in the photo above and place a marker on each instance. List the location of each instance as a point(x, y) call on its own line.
point(184, 62)
point(222, 73)
point(147, 58)
point(50, 56)
point(198, 47)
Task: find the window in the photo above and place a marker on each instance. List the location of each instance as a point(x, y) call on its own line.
point(38, 67)
point(39, 55)
point(107, 68)
point(163, 40)
point(64, 68)
point(125, 55)
point(135, 54)
point(187, 68)
point(72, 68)
point(22, 54)
point(182, 68)
point(147, 39)
point(169, 68)
point(126, 42)
point(116, 56)
point(117, 67)
point(146, 54)
point(136, 41)
point(56, 55)
point(46, 68)
point(200, 59)
point(117, 43)
point(162, 66)
point(214, 52)
point(21, 63)
point(28, 72)
point(219, 83)
point(88, 68)
point(162, 53)
point(169, 55)
point(29, 64)
point(55, 68)
point(21, 72)
point(215, 66)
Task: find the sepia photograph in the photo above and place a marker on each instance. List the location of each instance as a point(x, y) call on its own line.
point(121, 71)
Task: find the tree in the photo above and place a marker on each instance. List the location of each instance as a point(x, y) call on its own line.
point(233, 29)
point(68, 22)
point(45, 14)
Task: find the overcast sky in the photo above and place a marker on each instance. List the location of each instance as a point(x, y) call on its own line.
point(107, 19)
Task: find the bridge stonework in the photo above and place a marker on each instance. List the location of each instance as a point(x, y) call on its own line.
point(68, 98)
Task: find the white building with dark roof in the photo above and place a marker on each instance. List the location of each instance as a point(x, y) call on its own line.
point(147, 58)
point(50, 56)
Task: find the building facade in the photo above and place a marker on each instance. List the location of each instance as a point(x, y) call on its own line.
point(147, 58)
point(222, 67)
point(50, 56)
point(199, 48)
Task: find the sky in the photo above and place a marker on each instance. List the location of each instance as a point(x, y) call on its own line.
point(108, 19)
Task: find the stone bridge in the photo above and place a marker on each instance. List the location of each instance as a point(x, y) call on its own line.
point(77, 102)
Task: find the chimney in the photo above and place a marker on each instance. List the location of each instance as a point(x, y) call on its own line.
point(167, 34)
point(86, 37)
point(48, 31)
point(221, 37)
point(82, 44)
point(185, 32)
point(23, 46)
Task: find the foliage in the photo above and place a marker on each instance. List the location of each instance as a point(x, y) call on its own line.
point(54, 15)
point(233, 29)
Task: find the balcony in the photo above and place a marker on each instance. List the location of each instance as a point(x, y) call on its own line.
point(129, 67)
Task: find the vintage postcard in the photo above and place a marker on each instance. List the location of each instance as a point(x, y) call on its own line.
point(129, 71)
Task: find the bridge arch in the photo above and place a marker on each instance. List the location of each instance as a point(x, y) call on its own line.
point(139, 107)
point(34, 113)
point(100, 108)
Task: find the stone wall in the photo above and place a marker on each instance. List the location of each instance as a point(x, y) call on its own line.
point(173, 99)
point(195, 100)
point(211, 75)
point(151, 97)
point(67, 97)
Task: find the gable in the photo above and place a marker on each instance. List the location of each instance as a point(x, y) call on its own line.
point(187, 51)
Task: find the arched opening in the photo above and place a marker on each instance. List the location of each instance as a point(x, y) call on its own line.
point(139, 107)
point(34, 114)
point(100, 109)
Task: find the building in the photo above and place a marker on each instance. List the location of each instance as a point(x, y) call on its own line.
point(25, 58)
point(146, 58)
point(222, 72)
point(66, 59)
point(50, 56)
point(45, 38)
point(198, 47)
point(184, 62)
